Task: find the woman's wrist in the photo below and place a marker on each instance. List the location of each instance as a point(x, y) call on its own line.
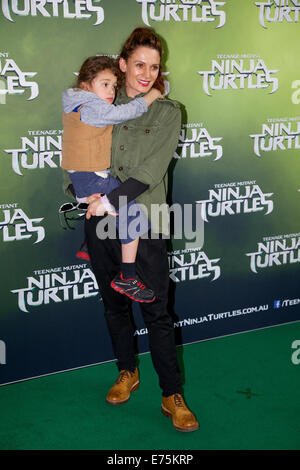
point(82, 199)
point(106, 204)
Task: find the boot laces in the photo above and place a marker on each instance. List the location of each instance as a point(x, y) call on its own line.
point(124, 374)
point(178, 401)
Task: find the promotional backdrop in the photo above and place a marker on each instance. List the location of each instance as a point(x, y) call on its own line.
point(234, 68)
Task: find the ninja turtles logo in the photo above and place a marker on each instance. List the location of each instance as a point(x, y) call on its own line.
point(198, 11)
point(15, 225)
point(77, 9)
point(13, 81)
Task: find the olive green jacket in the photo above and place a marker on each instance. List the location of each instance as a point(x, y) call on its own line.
point(143, 149)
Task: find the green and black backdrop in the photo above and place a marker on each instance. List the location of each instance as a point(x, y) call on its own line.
point(234, 68)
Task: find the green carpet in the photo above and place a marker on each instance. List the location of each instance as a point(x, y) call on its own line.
point(244, 390)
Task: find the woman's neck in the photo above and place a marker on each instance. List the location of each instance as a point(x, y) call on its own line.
point(130, 93)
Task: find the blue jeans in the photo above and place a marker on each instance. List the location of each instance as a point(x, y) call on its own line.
point(87, 183)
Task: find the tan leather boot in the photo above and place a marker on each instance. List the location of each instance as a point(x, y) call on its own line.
point(183, 419)
point(126, 383)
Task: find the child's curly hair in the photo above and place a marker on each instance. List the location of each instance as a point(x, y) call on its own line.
point(95, 64)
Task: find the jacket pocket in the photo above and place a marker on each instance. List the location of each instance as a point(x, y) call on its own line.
point(141, 139)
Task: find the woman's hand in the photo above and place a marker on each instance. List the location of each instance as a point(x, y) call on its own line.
point(93, 197)
point(97, 208)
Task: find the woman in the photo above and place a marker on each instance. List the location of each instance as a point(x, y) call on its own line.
point(150, 142)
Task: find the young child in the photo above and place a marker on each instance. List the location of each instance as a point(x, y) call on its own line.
point(88, 120)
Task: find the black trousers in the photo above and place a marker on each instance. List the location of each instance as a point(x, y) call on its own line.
point(152, 267)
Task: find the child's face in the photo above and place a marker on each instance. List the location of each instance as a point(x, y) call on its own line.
point(104, 85)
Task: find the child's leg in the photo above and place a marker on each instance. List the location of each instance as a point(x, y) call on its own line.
point(127, 281)
point(83, 253)
point(129, 251)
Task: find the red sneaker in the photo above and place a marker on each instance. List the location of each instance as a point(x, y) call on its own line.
point(133, 288)
point(83, 252)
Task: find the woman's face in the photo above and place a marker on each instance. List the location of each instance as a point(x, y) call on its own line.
point(141, 70)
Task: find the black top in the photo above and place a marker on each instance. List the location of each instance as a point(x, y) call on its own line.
point(130, 188)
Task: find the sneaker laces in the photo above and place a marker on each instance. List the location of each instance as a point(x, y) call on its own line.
point(140, 285)
point(178, 401)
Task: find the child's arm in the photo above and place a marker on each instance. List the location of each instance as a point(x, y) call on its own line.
point(100, 114)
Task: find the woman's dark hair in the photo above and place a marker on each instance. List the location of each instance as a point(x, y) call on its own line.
point(144, 37)
point(95, 64)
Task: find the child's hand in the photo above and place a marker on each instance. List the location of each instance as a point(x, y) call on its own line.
point(152, 95)
point(155, 93)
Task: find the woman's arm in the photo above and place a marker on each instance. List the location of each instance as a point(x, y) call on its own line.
point(155, 164)
point(131, 188)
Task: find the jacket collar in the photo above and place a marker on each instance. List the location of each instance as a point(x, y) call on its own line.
point(123, 98)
